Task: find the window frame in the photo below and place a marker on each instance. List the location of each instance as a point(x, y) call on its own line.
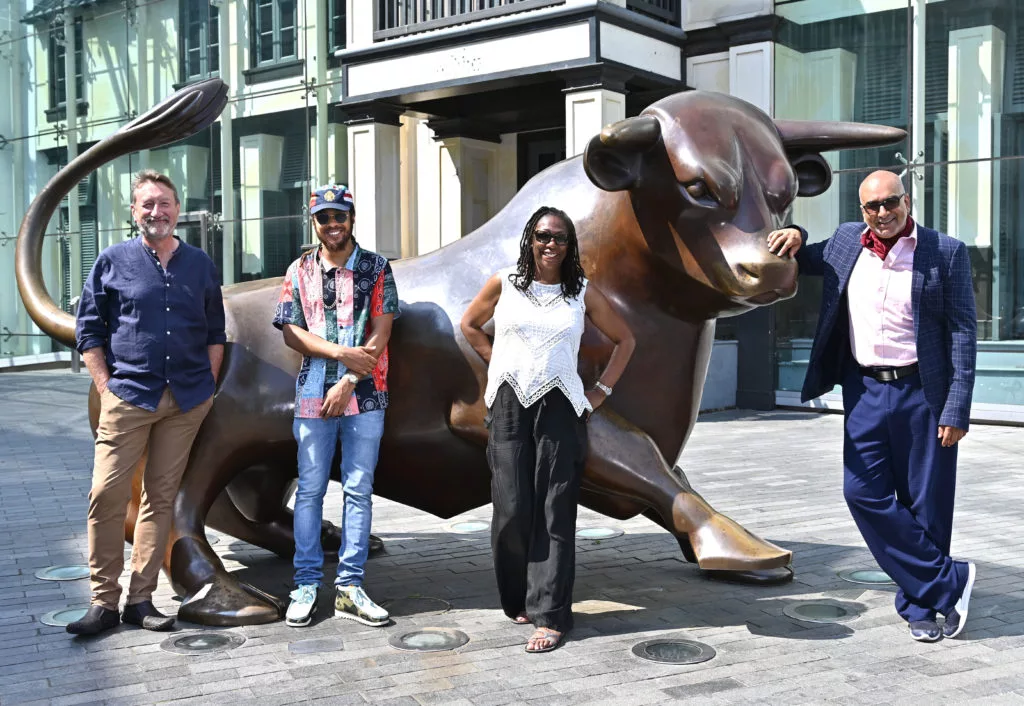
point(276, 32)
point(209, 40)
point(57, 73)
point(336, 9)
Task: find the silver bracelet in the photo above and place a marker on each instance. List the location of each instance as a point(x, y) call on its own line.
point(351, 377)
point(603, 388)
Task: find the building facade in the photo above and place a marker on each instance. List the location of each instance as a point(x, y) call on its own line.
point(436, 111)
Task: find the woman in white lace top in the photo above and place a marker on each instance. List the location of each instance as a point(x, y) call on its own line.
point(538, 411)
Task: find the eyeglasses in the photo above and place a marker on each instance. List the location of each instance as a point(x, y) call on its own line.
point(890, 204)
point(544, 237)
point(326, 216)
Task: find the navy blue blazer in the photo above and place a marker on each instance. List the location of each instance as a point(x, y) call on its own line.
point(945, 324)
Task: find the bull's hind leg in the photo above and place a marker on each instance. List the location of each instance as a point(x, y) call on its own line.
point(623, 461)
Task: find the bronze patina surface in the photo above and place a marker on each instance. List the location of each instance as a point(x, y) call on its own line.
point(672, 208)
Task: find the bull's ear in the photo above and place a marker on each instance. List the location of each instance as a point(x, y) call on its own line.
point(813, 173)
point(613, 158)
point(820, 136)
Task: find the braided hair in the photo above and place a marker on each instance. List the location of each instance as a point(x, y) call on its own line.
point(571, 270)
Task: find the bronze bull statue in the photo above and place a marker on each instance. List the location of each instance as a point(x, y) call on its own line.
point(672, 208)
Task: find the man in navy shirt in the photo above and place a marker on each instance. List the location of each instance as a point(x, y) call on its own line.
point(151, 331)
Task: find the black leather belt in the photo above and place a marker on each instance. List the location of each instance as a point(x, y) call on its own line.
point(888, 374)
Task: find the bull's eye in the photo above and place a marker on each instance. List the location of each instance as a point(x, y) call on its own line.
point(699, 192)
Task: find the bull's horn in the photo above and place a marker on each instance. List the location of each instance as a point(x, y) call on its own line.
point(821, 136)
point(637, 134)
point(185, 113)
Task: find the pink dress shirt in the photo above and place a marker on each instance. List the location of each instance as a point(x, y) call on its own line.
point(881, 312)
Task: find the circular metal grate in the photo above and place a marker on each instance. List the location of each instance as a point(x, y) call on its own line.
point(322, 644)
point(469, 526)
point(674, 651)
point(202, 642)
point(598, 533)
point(822, 612)
point(63, 573)
point(428, 640)
point(871, 577)
point(416, 605)
point(62, 617)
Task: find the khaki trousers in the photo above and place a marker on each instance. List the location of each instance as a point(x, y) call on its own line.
point(124, 434)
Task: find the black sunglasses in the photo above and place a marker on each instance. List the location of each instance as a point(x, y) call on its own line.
point(326, 216)
point(544, 237)
point(890, 204)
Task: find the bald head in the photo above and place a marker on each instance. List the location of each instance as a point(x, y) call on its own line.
point(884, 203)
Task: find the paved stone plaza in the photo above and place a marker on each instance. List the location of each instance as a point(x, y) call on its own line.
point(777, 473)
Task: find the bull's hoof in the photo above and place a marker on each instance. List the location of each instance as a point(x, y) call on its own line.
point(226, 602)
point(768, 577)
point(721, 544)
point(376, 545)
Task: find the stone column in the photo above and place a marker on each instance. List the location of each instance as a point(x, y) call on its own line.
point(593, 98)
point(260, 164)
point(374, 176)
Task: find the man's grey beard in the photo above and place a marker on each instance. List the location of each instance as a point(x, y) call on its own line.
point(156, 230)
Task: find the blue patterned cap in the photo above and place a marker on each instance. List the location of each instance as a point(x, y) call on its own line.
point(331, 196)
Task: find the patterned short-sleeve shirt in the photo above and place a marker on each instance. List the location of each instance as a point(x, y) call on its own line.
point(337, 305)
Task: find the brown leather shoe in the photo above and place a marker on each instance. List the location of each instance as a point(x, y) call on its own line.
point(147, 617)
point(96, 620)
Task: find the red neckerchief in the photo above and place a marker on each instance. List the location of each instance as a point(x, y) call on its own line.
point(882, 246)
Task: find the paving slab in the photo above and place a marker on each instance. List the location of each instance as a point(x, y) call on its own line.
point(777, 473)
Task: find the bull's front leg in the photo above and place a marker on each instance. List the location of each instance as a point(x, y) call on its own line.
point(623, 461)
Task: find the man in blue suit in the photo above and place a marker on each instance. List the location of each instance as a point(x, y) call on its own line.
point(897, 330)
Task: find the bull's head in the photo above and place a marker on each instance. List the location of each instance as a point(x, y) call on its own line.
point(711, 175)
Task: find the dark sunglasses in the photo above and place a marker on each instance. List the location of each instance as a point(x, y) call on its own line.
point(544, 237)
point(890, 204)
point(328, 215)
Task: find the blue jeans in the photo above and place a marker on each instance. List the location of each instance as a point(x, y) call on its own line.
point(360, 442)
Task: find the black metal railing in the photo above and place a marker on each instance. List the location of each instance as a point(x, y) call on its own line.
point(666, 11)
point(396, 18)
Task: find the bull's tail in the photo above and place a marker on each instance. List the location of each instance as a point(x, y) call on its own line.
point(188, 111)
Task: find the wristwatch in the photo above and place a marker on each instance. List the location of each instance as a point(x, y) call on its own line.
point(603, 388)
point(351, 377)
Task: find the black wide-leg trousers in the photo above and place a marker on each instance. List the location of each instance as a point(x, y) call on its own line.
point(536, 457)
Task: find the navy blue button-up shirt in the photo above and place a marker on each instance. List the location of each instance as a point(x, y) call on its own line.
point(154, 326)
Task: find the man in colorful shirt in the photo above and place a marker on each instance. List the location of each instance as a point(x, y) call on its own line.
point(336, 308)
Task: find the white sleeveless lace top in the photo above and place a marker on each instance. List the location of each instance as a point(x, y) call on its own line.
point(537, 343)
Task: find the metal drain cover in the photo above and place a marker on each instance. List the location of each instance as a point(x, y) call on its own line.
point(322, 644)
point(673, 651)
point(822, 612)
point(202, 642)
point(63, 573)
point(871, 577)
point(428, 640)
point(598, 533)
point(62, 617)
point(417, 605)
point(469, 526)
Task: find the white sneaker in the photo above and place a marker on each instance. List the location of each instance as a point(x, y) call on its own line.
point(353, 603)
point(303, 606)
point(957, 618)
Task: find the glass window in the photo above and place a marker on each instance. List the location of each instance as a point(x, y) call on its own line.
point(200, 40)
point(336, 12)
point(274, 38)
point(57, 62)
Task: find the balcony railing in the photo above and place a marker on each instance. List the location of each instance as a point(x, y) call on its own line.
point(666, 11)
point(396, 18)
